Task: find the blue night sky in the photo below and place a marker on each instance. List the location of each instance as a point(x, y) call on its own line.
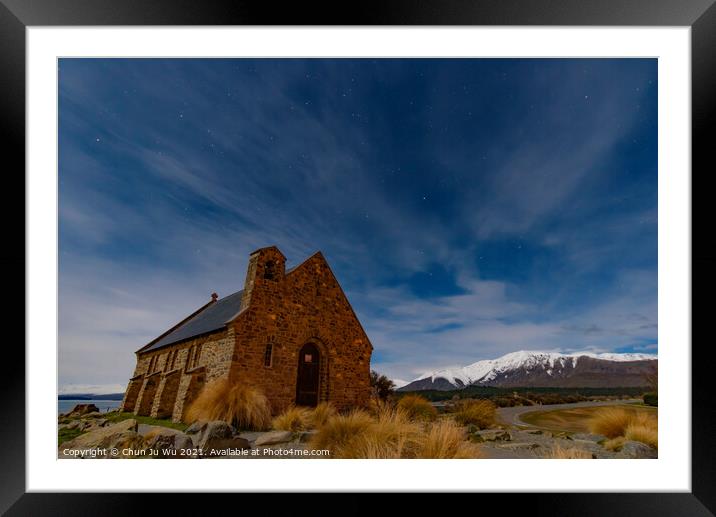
point(469, 207)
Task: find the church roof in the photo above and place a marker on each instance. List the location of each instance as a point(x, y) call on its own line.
point(213, 317)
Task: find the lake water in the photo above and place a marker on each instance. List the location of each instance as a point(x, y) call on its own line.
point(65, 406)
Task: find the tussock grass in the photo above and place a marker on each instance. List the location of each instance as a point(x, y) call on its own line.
point(337, 431)
point(392, 434)
point(321, 414)
point(417, 408)
point(611, 422)
point(644, 433)
point(617, 423)
point(567, 453)
point(447, 440)
point(293, 419)
point(480, 412)
point(242, 406)
point(615, 444)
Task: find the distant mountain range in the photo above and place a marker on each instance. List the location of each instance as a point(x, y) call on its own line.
point(544, 369)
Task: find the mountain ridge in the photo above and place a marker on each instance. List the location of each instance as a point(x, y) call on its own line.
point(543, 369)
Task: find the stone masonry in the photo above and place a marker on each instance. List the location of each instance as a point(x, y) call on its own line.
point(291, 334)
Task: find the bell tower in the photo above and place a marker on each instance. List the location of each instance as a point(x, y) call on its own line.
point(265, 273)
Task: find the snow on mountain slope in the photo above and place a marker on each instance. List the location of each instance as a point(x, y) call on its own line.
point(522, 364)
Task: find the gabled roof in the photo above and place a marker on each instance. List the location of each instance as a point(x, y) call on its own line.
point(213, 317)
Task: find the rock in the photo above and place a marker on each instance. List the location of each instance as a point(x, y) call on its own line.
point(214, 430)
point(196, 427)
point(517, 446)
point(493, 435)
point(637, 450)
point(93, 414)
point(307, 436)
point(73, 425)
point(129, 444)
point(272, 437)
point(168, 443)
point(101, 437)
point(596, 438)
point(538, 431)
point(250, 435)
point(83, 409)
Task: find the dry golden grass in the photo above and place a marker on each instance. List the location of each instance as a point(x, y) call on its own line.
point(481, 413)
point(611, 422)
point(337, 431)
point(617, 422)
point(293, 419)
point(242, 406)
point(392, 434)
point(417, 408)
point(614, 444)
point(567, 453)
point(321, 414)
point(644, 433)
point(376, 405)
point(446, 440)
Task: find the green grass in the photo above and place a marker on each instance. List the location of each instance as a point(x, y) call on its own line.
point(115, 417)
point(65, 435)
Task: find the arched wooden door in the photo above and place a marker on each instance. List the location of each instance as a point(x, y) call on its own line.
point(307, 379)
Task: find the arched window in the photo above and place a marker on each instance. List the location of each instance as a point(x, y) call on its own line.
point(268, 355)
point(269, 270)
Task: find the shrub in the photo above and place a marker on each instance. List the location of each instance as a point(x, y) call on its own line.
point(611, 422)
point(382, 386)
point(417, 408)
point(651, 398)
point(242, 406)
point(293, 419)
point(321, 414)
point(481, 413)
point(567, 453)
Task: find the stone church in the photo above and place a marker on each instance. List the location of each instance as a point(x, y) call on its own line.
point(292, 334)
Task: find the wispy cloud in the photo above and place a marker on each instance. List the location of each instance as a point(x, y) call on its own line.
point(469, 207)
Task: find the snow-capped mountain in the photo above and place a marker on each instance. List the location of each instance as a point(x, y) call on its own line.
point(543, 369)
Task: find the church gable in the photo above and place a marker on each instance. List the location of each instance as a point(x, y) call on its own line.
point(292, 334)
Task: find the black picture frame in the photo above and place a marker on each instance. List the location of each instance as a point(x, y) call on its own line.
point(16, 15)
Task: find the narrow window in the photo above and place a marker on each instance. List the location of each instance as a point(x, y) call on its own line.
point(151, 364)
point(268, 355)
point(174, 359)
point(269, 270)
point(189, 355)
point(197, 353)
